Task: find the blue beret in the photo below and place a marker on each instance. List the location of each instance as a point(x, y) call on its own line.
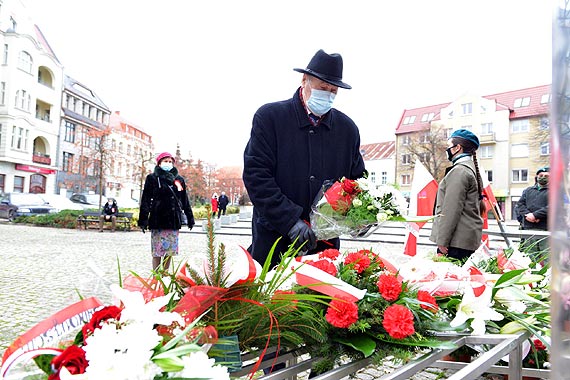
point(466, 135)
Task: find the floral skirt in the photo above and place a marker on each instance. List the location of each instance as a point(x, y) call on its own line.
point(164, 242)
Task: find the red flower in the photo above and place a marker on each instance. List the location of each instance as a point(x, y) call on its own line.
point(538, 345)
point(350, 186)
point(427, 298)
point(338, 199)
point(330, 253)
point(72, 358)
point(204, 335)
point(325, 266)
point(389, 286)
point(398, 321)
point(108, 312)
point(360, 261)
point(342, 313)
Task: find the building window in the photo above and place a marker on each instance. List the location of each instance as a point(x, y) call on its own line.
point(522, 102)
point(489, 175)
point(519, 150)
point(409, 119)
point(447, 132)
point(67, 162)
point(19, 138)
point(545, 149)
point(2, 93)
point(2, 183)
point(405, 179)
point(120, 147)
point(84, 164)
point(18, 184)
point(544, 123)
point(5, 59)
point(486, 128)
point(25, 62)
point(384, 179)
point(519, 126)
point(406, 159)
point(373, 177)
point(427, 117)
point(424, 138)
point(467, 108)
point(544, 99)
point(486, 151)
point(424, 157)
point(519, 175)
point(406, 140)
point(69, 132)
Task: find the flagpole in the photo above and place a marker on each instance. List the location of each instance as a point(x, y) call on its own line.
point(501, 227)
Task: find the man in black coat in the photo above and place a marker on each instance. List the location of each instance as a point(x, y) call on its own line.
point(296, 145)
point(532, 208)
point(223, 202)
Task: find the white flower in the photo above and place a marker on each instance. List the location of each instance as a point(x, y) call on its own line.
point(356, 202)
point(508, 297)
point(199, 365)
point(364, 184)
point(478, 309)
point(416, 269)
point(381, 217)
point(136, 309)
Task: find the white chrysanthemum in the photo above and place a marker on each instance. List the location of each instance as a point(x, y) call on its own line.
point(364, 184)
point(199, 365)
point(356, 202)
point(121, 352)
point(381, 217)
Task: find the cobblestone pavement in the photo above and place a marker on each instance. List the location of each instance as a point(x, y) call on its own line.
point(44, 270)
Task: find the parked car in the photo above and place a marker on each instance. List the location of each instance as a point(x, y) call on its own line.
point(88, 201)
point(23, 204)
point(60, 202)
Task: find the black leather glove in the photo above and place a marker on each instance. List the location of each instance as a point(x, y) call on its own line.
point(190, 226)
point(143, 229)
point(302, 233)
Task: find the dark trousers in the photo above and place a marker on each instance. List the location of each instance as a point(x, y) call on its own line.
point(458, 253)
point(221, 211)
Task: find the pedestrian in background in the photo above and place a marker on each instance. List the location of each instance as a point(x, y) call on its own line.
point(214, 202)
point(295, 145)
point(532, 209)
point(109, 213)
point(163, 201)
point(460, 207)
point(222, 204)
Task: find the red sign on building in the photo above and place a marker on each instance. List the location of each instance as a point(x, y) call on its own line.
point(34, 169)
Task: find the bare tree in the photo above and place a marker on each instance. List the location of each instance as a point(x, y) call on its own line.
point(428, 146)
point(539, 140)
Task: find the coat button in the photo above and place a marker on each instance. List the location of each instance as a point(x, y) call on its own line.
point(311, 131)
point(312, 178)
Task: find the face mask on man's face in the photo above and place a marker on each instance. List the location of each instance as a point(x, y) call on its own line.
point(320, 102)
point(542, 181)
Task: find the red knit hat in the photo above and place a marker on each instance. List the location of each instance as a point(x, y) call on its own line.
point(164, 155)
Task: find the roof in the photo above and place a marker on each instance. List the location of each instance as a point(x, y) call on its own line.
point(504, 100)
point(44, 43)
point(378, 151)
point(84, 92)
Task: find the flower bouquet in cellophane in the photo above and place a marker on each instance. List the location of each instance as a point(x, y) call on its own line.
point(355, 208)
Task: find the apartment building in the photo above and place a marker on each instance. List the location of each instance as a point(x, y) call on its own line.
point(379, 161)
point(31, 80)
point(83, 130)
point(132, 158)
point(513, 129)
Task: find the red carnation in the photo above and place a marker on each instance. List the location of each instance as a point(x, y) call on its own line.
point(108, 312)
point(538, 345)
point(325, 266)
point(72, 358)
point(360, 261)
point(389, 286)
point(424, 296)
point(342, 313)
point(330, 253)
point(350, 186)
point(398, 321)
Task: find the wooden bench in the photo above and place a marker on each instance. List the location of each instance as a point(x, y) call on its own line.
point(92, 217)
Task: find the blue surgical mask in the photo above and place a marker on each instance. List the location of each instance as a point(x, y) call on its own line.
point(320, 102)
point(166, 166)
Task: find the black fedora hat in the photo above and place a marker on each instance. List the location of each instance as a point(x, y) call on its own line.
point(326, 67)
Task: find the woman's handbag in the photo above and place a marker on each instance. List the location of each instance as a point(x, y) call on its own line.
point(181, 215)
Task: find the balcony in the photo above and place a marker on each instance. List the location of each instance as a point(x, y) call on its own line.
point(41, 158)
point(488, 138)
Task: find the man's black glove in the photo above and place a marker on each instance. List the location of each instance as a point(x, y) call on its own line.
point(143, 225)
point(303, 233)
point(143, 229)
point(190, 225)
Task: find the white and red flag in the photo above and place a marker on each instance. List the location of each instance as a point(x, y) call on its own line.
point(422, 200)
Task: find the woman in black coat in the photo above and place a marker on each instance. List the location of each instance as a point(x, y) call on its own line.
point(164, 199)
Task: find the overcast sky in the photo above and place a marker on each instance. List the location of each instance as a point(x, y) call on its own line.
point(194, 72)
